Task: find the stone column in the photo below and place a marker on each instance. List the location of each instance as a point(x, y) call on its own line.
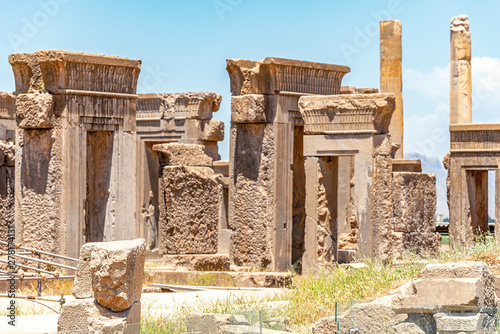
point(390, 76)
point(460, 71)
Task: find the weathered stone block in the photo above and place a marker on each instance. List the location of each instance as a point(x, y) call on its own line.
point(84, 316)
point(183, 155)
point(82, 287)
point(248, 109)
point(35, 111)
point(414, 202)
point(191, 104)
point(189, 210)
point(465, 323)
point(117, 268)
point(451, 286)
point(202, 262)
point(213, 130)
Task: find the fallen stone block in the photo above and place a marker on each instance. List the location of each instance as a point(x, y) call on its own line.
point(465, 323)
point(84, 316)
point(183, 155)
point(82, 287)
point(117, 268)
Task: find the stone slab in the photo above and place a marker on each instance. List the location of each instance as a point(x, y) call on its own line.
point(183, 155)
point(196, 262)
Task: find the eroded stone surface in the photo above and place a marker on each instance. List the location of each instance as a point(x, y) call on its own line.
point(35, 111)
point(82, 287)
point(84, 316)
point(117, 268)
point(249, 108)
point(189, 210)
point(183, 155)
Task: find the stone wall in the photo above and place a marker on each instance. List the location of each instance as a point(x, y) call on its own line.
point(413, 219)
point(189, 201)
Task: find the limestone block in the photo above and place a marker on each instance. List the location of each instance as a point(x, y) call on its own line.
point(465, 323)
point(82, 287)
point(117, 268)
point(213, 130)
point(8, 153)
point(207, 323)
point(183, 155)
point(414, 202)
point(248, 109)
point(35, 111)
point(202, 262)
point(191, 104)
point(451, 286)
point(189, 210)
point(83, 316)
point(416, 323)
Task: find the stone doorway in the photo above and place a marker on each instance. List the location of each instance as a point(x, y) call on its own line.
point(99, 169)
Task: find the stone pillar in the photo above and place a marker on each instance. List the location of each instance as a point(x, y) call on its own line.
point(391, 76)
point(75, 154)
point(264, 112)
point(460, 71)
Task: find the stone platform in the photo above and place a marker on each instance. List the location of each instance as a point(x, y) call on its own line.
point(221, 278)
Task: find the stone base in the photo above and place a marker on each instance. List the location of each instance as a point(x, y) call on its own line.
point(465, 323)
point(84, 316)
point(346, 255)
point(196, 262)
point(222, 278)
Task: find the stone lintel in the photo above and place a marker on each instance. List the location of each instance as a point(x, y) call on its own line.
point(274, 75)
point(76, 71)
point(354, 113)
point(407, 165)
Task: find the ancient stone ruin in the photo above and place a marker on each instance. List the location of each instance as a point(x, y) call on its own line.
point(315, 174)
point(108, 286)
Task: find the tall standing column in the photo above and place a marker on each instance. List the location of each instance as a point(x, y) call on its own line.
point(460, 71)
point(390, 76)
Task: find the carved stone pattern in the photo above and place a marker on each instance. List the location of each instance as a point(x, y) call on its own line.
point(475, 140)
point(149, 108)
point(307, 80)
point(331, 120)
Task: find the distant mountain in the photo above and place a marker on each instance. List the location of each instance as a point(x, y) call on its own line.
point(434, 166)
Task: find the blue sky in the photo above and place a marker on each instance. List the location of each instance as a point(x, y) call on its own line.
point(184, 45)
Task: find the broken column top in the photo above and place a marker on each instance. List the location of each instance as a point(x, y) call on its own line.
point(199, 105)
point(351, 113)
point(459, 23)
point(74, 72)
point(275, 75)
point(7, 105)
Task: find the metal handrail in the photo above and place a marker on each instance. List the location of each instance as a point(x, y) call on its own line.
point(38, 260)
point(55, 274)
point(33, 250)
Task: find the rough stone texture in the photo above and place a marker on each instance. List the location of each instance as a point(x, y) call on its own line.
point(374, 317)
point(466, 323)
point(460, 71)
point(213, 131)
point(82, 287)
point(190, 105)
point(117, 268)
point(84, 316)
point(438, 285)
point(249, 108)
point(382, 206)
point(92, 93)
point(204, 262)
point(414, 207)
point(35, 111)
point(209, 323)
point(189, 210)
point(356, 90)
point(391, 81)
point(183, 155)
point(406, 165)
point(252, 185)
point(416, 323)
